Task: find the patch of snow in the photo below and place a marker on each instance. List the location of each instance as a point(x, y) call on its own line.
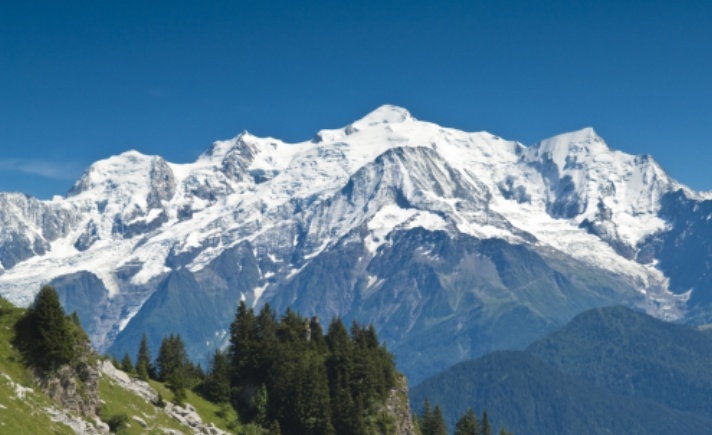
point(257, 292)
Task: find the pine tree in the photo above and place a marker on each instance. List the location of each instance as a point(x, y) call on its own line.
point(173, 366)
point(55, 337)
point(267, 351)
point(312, 397)
point(426, 418)
point(217, 383)
point(432, 421)
point(172, 358)
point(259, 404)
point(468, 424)
point(243, 346)
point(339, 366)
point(274, 428)
point(486, 427)
point(126, 364)
point(438, 427)
point(45, 335)
point(144, 367)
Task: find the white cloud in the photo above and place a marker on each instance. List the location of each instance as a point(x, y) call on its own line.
point(57, 170)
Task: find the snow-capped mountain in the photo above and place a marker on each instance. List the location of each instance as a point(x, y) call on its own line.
point(424, 230)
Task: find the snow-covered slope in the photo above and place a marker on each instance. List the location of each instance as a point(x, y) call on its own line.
point(132, 219)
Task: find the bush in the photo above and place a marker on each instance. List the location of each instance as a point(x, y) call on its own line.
point(117, 422)
point(159, 402)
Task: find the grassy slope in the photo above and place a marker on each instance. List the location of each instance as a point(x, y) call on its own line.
point(27, 416)
point(20, 416)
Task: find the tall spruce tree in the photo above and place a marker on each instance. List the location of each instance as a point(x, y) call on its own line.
point(468, 424)
point(144, 367)
point(216, 386)
point(432, 421)
point(438, 426)
point(127, 364)
point(45, 335)
point(340, 372)
point(243, 346)
point(486, 426)
point(174, 366)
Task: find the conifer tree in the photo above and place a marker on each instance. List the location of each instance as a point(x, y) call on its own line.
point(426, 418)
point(486, 426)
point(144, 366)
point(317, 335)
point(432, 421)
point(268, 349)
point(438, 425)
point(259, 404)
point(216, 386)
point(243, 345)
point(126, 364)
point(340, 371)
point(274, 428)
point(468, 424)
point(312, 398)
point(45, 335)
point(173, 366)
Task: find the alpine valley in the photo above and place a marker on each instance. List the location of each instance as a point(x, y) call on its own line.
point(452, 244)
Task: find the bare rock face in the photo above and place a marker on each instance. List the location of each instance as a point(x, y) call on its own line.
point(75, 388)
point(398, 408)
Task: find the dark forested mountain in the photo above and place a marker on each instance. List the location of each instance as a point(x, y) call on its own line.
point(609, 370)
point(530, 397)
point(425, 231)
point(635, 355)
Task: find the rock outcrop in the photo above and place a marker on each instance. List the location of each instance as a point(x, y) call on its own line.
point(185, 415)
point(75, 386)
point(397, 407)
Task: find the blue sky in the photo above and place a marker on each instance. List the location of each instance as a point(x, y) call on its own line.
point(84, 80)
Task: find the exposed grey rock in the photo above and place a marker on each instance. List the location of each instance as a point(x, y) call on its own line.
point(397, 407)
point(163, 184)
point(141, 422)
point(79, 425)
point(185, 415)
point(75, 387)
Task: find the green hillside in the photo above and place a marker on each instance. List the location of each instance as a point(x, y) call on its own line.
point(281, 375)
point(636, 355)
point(25, 410)
point(530, 397)
point(22, 406)
point(609, 370)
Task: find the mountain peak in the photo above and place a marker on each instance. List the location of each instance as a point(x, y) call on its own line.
point(386, 114)
point(584, 135)
point(114, 170)
point(219, 149)
point(581, 143)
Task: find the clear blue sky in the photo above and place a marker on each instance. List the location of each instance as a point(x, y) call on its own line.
point(83, 80)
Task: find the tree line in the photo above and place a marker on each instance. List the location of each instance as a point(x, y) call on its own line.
point(286, 374)
point(431, 422)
